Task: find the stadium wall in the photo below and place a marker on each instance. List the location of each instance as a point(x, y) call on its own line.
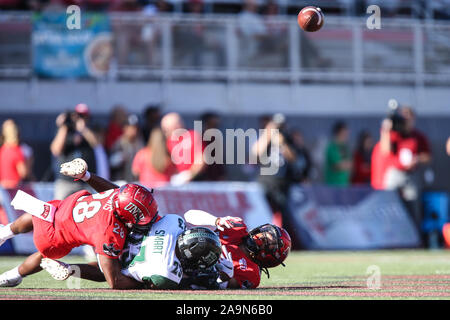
point(228, 97)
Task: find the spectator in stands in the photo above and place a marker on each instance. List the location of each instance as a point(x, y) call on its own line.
point(197, 39)
point(405, 152)
point(152, 119)
point(152, 164)
point(251, 29)
point(73, 140)
point(117, 120)
point(10, 4)
point(276, 40)
point(57, 6)
point(194, 34)
point(127, 35)
point(185, 148)
point(214, 171)
point(124, 151)
point(299, 170)
point(362, 159)
point(13, 167)
point(157, 7)
point(338, 164)
point(151, 31)
point(250, 22)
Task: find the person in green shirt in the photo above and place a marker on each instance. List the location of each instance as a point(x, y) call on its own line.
point(338, 163)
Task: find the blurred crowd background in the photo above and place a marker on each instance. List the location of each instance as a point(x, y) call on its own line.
point(139, 147)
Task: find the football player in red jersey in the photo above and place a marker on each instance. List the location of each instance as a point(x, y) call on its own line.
point(101, 220)
point(266, 246)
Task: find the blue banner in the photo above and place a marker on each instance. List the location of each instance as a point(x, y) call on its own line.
point(327, 218)
point(60, 52)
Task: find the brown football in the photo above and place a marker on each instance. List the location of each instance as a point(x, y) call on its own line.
point(310, 18)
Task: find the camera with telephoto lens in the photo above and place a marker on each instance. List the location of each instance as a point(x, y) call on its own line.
point(69, 121)
point(280, 121)
point(398, 121)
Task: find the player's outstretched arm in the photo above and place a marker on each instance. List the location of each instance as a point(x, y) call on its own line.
point(99, 184)
point(203, 218)
point(78, 169)
point(116, 280)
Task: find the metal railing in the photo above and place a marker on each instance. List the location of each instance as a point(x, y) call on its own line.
point(231, 47)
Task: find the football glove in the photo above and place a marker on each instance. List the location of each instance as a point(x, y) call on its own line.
point(225, 265)
point(227, 222)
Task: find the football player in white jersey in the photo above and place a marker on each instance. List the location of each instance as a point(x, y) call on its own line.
point(168, 253)
point(152, 257)
point(167, 257)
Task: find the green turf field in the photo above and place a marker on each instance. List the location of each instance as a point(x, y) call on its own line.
point(406, 274)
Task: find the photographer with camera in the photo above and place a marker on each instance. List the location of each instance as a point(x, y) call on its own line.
point(276, 186)
point(400, 158)
point(73, 140)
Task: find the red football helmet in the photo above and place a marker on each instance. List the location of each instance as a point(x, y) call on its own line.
point(269, 245)
point(135, 204)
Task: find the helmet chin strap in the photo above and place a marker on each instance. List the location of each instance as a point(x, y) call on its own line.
point(266, 271)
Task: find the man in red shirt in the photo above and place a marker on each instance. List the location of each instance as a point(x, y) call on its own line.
point(264, 247)
point(101, 220)
point(185, 148)
point(398, 160)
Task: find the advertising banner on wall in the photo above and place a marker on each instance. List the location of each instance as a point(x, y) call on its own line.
point(329, 218)
point(63, 52)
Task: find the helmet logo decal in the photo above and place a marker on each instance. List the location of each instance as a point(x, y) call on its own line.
point(134, 210)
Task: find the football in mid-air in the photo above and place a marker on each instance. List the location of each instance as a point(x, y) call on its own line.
point(310, 18)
